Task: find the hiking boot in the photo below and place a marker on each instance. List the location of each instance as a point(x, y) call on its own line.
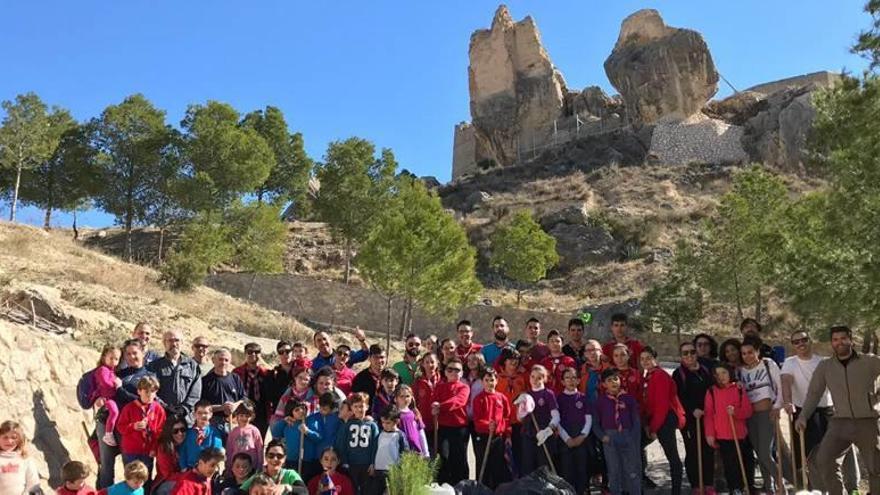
point(109, 439)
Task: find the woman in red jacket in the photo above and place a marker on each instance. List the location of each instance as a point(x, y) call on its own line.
point(423, 391)
point(723, 400)
point(167, 463)
point(450, 408)
point(662, 413)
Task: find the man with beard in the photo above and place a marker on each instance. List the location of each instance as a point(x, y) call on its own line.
point(410, 365)
point(852, 379)
point(502, 341)
point(200, 355)
point(326, 356)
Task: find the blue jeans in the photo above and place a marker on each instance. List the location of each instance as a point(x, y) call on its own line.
point(624, 461)
point(106, 473)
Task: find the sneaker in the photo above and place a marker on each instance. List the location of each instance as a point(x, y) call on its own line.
point(109, 439)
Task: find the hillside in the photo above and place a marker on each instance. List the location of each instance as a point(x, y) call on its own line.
point(83, 300)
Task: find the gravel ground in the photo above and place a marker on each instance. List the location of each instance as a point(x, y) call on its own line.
point(697, 139)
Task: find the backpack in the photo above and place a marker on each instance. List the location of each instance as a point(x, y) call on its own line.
point(87, 390)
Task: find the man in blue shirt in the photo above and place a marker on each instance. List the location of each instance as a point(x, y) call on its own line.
point(326, 356)
point(502, 333)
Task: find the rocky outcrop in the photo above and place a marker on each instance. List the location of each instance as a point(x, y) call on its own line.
point(659, 70)
point(515, 91)
point(579, 241)
point(38, 376)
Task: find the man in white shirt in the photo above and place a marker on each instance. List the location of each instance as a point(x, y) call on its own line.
point(796, 374)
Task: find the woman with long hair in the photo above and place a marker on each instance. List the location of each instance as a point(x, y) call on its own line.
point(167, 461)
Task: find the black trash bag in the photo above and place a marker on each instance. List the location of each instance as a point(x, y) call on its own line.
point(541, 482)
point(471, 487)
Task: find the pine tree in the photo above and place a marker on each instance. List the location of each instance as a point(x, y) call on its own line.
point(26, 141)
point(522, 251)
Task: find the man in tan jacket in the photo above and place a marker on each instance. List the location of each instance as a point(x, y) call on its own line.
point(853, 381)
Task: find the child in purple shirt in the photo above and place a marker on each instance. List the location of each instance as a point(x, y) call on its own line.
point(575, 423)
point(410, 420)
point(546, 415)
point(616, 423)
point(384, 397)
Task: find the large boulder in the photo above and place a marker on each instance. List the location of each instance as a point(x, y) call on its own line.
point(659, 70)
point(777, 134)
point(579, 241)
point(515, 91)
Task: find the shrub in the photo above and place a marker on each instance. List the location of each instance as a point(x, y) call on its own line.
point(411, 476)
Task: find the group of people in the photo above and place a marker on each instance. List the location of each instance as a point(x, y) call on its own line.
point(584, 409)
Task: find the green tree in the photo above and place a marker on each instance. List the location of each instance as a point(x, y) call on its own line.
point(869, 40)
point(416, 251)
point(289, 178)
point(676, 301)
point(355, 187)
point(258, 236)
point(522, 251)
point(225, 160)
point(25, 140)
point(132, 141)
point(741, 242)
point(204, 244)
point(65, 180)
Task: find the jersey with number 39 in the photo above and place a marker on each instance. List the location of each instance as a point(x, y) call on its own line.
point(356, 442)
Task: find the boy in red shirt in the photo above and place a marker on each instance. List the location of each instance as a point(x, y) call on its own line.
point(492, 412)
point(197, 481)
point(619, 336)
point(140, 423)
point(556, 362)
point(73, 477)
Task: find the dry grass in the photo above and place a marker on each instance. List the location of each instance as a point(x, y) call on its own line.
point(127, 292)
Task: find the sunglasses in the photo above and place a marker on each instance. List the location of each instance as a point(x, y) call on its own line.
point(285, 351)
point(254, 352)
point(453, 370)
point(690, 352)
point(414, 344)
point(273, 455)
point(802, 340)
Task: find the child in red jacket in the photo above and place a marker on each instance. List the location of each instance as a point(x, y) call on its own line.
point(556, 362)
point(140, 423)
point(197, 481)
point(450, 408)
point(724, 401)
point(73, 479)
point(492, 411)
point(662, 413)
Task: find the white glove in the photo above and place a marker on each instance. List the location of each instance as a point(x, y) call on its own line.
point(543, 435)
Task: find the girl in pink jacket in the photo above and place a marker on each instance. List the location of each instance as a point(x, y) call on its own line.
point(106, 383)
point(726, 400)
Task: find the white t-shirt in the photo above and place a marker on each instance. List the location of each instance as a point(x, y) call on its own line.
point(760, 385)
point(802, 371)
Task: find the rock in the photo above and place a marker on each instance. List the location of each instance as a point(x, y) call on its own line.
point(583, 244)
point(735, 109)
point(573, 215)
point(659, 70)
point(776, 135)
point(592, 101)
point(474, 200)
point(697, 139)
point(515, 91)
point(430, 182)
point(302, 265)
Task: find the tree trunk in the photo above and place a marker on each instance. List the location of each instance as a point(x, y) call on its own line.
point(678, 334)
point(161, 246)
point(739, 308)
point(388, 327)
point(409, 317)
point(348, 262)
point(15, 192)
point(758, 304)
point(403, 316)
point(47, 220)
point(75, 231)
point(128, 249)
point(518, 297)
point(251, 288)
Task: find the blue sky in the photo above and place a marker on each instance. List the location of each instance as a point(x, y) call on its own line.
point(391, 72)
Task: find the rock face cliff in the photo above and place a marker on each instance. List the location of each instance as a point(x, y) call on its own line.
point(659, 70)
point(522, 113)
point(515, 90)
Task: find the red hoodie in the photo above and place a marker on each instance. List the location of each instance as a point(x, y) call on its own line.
point(423, 392)
point(716, 417)
point(140, 442)
point(453, 399)
point(556, 365)
point(492, 407)
point(660, 395)
point(191, 483)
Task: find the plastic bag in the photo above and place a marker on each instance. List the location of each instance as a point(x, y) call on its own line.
point(471, 487)
point(541, 482)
